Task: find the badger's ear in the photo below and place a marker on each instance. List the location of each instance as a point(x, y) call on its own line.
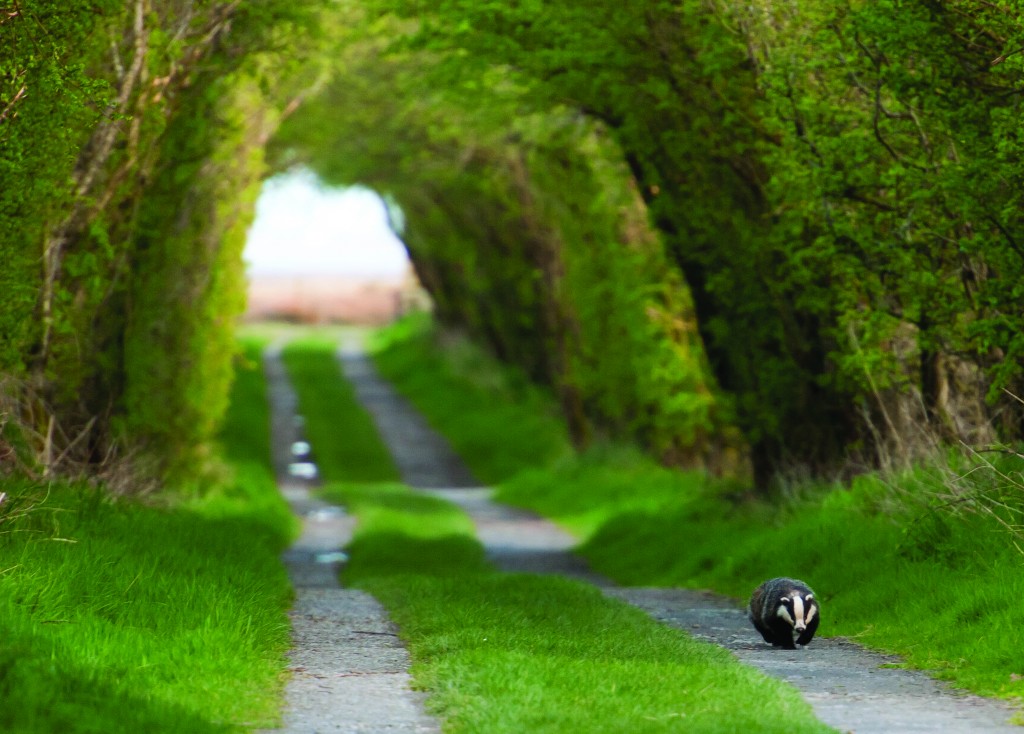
point(783, 598)
point(809, 596)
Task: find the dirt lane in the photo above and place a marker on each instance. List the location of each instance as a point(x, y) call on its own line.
point(424, 458)
point(847, 686)
point(349, 672)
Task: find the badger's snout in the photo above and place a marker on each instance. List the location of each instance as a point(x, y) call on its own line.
point(799, 626)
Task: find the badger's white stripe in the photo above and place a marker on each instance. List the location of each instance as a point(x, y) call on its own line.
point(811, 611)
point(783, 612)
point(798, 611)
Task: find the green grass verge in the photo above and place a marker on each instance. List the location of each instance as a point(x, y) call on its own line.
point(941, 589)
point(245, 439)
point(525, 653)
point(904, 564)
point(122, 617)
point(343, 436)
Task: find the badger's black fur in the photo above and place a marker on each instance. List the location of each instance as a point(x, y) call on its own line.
point(780, 607)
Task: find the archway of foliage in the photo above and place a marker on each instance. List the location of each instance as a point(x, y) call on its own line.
point(525, 225)
point(836, 184)
point(131, 138)
point(790, 229)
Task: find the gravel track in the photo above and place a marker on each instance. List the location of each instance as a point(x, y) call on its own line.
point(349, 672)
point(848, 686)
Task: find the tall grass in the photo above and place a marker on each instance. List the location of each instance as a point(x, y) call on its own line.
point(122, 617)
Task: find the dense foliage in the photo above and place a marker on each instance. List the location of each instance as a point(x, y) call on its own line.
point(774, 234)
point(527, 228)
point(131, 138)
point(836, 183)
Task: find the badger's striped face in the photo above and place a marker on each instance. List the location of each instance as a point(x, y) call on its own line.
point(797, 610)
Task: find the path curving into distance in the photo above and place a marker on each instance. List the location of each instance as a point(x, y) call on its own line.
point(846, 685)
point(349, 672)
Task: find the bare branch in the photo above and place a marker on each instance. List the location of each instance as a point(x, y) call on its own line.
point(103, 140)
point(1003, 57)
point(93, 159)
point(21, 93)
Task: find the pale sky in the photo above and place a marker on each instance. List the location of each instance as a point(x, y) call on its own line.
point(303, 228)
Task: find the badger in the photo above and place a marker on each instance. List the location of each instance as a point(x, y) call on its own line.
point(779, 607)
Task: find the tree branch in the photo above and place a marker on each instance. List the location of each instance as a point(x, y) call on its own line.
point(20, 94)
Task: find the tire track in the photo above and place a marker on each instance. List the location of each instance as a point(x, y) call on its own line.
point(349, 672)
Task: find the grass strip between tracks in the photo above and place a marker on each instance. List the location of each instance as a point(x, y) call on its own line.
point(344, 438)
point(515, 652)
point(124, 616)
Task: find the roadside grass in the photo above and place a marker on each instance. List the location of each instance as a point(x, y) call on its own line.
point(895, 569)
point(527, 653)
point(605, 482)
point(117, 616)
point(924, 563)
point(245, 440)
point(343, 436)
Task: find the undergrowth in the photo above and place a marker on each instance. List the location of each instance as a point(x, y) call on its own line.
point(117, 616)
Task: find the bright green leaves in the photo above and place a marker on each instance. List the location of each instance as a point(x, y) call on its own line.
point(883, 184)
point(814, 172)
point(522, 216)
point(121, 274)
point(802, 179)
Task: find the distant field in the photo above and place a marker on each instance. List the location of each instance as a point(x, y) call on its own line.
point(322, 299)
